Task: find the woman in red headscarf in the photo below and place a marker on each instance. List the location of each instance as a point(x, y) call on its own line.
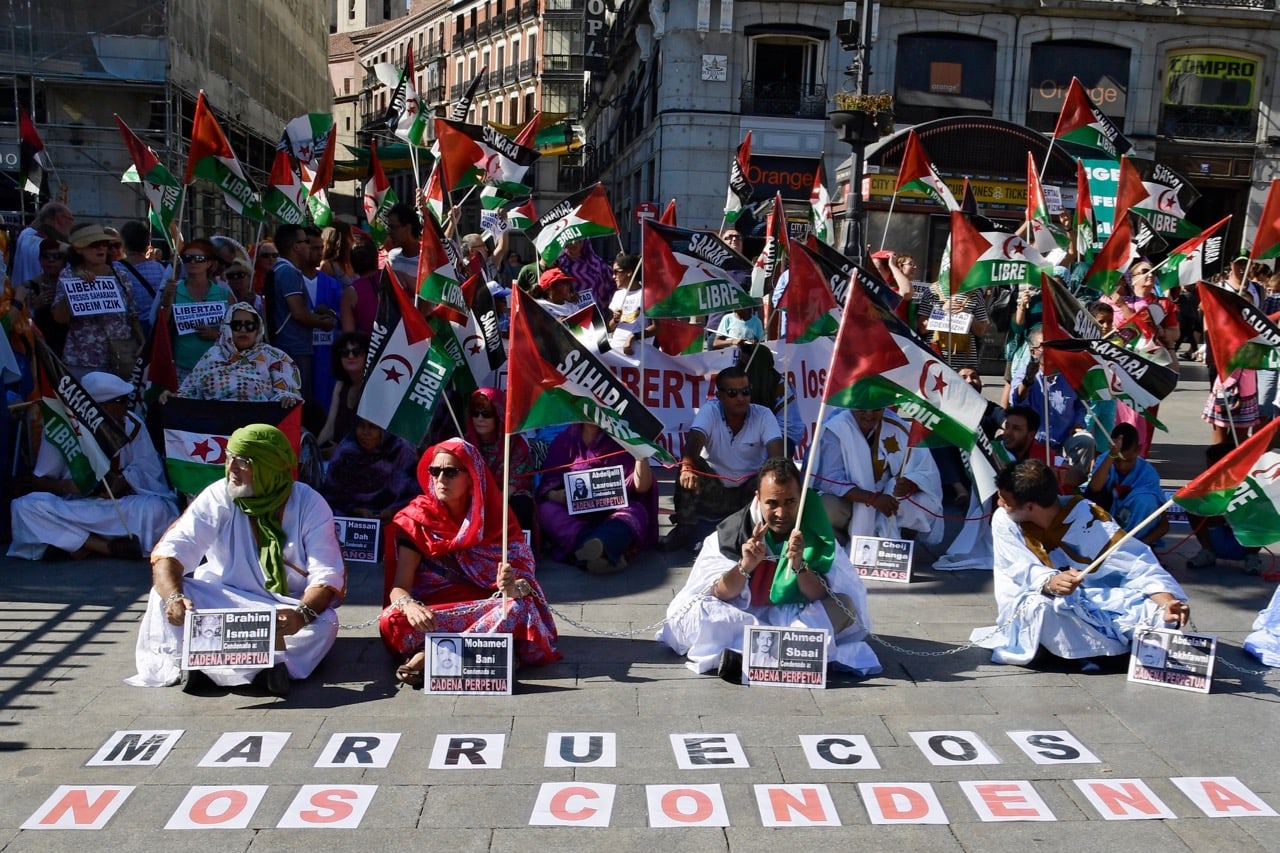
point(447, 547)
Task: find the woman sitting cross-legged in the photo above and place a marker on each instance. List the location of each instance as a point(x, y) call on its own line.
point(600, 540)
point(447, 545)
point(370, 474)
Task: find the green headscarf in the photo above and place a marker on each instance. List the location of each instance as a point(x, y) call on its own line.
point(273, 465)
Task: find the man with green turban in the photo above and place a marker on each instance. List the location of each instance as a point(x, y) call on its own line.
point(266, 542)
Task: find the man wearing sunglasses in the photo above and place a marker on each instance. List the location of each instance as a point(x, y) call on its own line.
point(729, 440)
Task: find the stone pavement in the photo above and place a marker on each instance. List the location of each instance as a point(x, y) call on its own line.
point(66, 641)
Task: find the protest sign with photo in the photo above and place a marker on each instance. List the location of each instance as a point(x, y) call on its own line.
point(359, 538)
point(595, 489)
point(229, 638)
point(1171, 658)
point(469, 664)
point(784, 657)
point(882, 559)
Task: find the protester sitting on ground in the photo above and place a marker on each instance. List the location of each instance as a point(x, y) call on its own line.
point(1214, 533)
point(53, 514)
point(371, 473)
point(252, 540)
point(728, 441)
point(872, 483)
point(349, 353)
point(598, 541)
point(485, 430)
point(446, 546)
point(737, 328)
point(240, 366)
point(1065, 432)
point(96, 340)
point(197, 287)
point(735, 582)
point(1042, 543)
point(1128, 486)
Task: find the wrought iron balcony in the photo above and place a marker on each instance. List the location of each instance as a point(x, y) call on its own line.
point(784, 98)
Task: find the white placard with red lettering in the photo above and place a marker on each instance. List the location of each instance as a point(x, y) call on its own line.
point(686, 805)
point(1222, 796)
point(217, 807)
point(901, 802)
point(328, 807)
point(1124, 799)
point(999, 801)
point(573, 804)
point(79, 807)
point(1178, 659)
point(796, 805)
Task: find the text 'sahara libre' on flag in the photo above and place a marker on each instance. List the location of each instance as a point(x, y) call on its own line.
point(740, 188)
point(554, 379)
point(983, 258)
point(1046, 237)
point(878, 362)
point(405, 373)
point(583, 215)
point(33, 158)
point(75, 423)
point(378, 197)
point(810, 305)
point(472, 155)
point(1245, 487)
point(438, 264)
point(210, 157)
point(1085, 223)
point(1198, 259)
point(1159, 193)
point(1083, 124)
point(161, 187)
point(840, 273)
point(691, 273)
point(1266, 240)
point(917, 173)
point(1113, 260)
point(196, 434)
point(772, 260)
point(1240, 335)
point(286, 197)
point(821, 220)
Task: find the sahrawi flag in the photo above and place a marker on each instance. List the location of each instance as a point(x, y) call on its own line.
point(378, 197)
point(75, 423)
point(554, 379)
point(582, 216)
point(1046, 237)
point(688, 273)
point(1198, 259)
point(32, 156)
point(739, 183)
point(210, 157)
point(1085, 230)
point(1081, 123)
point(981, 258)
point(162, 189)
point(438, 265)
point(471, 155)
point(1245, 487)
point(1266, 242)
point(878, 362)
point(821, 220)
point(309, 139)
point(1159, 193)
point(405, 374)
point(286, 197)
point(769, 264)
point(810, 305)
point(917, 174)
point(1240, 335)
point(405, 115)
point(1113, 260)
point(196, 434)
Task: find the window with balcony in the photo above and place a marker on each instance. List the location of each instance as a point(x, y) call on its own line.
point(562, 48)
point(785, 73)
point(1102, 69)
point(940, 75)
point(561, 96)
point(1210, 93)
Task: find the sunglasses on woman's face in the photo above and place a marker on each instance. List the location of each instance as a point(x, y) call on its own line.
point(236, 276)
point(194, 259)
point(244, 325)
point(350, 352)
point(484, 414)
point(448, 472)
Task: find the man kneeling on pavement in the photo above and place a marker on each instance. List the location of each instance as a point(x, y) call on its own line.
point(1043, 541)
point(266, 542)
point(740, 578)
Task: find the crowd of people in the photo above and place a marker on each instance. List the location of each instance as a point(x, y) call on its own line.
point(290, 320)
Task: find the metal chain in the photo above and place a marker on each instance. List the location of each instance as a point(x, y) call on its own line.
point(453, 608)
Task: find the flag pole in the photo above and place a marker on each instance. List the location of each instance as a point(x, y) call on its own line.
point(1044, 400)
point(115, 503)
point(453, 415)
point(1129, 534)
point(885, 236)
point(506, 507)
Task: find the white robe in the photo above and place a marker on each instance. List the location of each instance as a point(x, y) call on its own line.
point(215, 529)
point(1096, 620)
point(41, 519)
point(1264, 642)
point(702, 626)
point(845, 458)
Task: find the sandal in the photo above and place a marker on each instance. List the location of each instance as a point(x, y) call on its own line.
point(413, 671)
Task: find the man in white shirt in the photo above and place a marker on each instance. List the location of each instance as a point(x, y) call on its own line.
point(729, 440)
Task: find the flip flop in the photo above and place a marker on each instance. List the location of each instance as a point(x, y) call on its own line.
point(408, 673)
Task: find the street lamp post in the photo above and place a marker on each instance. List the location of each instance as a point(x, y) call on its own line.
point(855, 128)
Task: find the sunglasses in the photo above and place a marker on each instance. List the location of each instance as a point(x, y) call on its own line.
point(448, 472)
point(350, 352)
point(484, 414)
point(194, 259)
point(244, 325)
point(735, 392)
point(236, 276)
